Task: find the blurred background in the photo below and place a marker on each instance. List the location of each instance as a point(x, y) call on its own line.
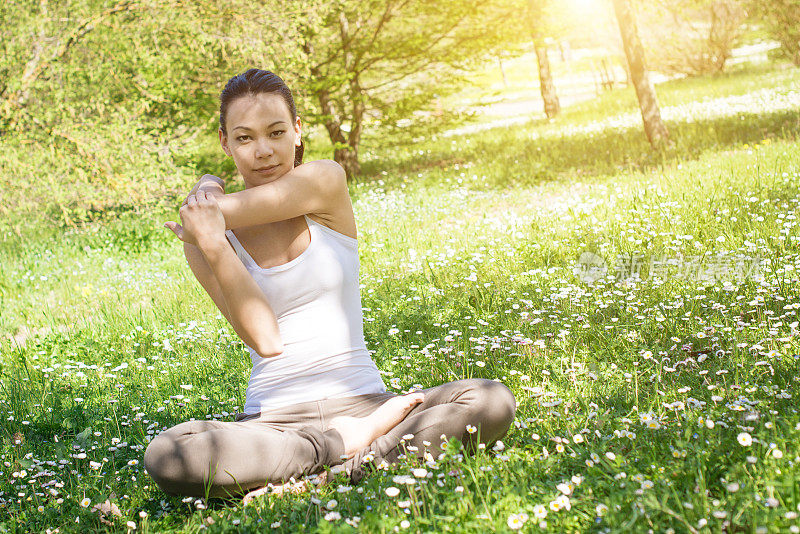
point(108, 107)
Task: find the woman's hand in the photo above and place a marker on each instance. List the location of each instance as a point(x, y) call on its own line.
point(202, 221)
point(210, 184)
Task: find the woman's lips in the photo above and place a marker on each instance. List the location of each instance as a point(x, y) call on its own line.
point(267, 170)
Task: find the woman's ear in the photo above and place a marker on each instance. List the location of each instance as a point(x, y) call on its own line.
point(223, 140)
point(298, 132)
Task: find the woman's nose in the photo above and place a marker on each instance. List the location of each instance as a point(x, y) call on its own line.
point(263, 149)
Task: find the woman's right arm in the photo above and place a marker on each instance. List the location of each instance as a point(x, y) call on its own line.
point(225, 278)
point(237, 297)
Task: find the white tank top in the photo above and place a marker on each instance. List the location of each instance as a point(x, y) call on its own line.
point(317, 303)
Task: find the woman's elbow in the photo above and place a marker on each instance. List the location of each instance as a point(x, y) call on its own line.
point(269, 350)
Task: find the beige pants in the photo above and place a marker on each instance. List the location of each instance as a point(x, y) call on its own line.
point(230, 458)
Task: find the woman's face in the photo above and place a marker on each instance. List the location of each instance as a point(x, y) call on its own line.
point(261, 137)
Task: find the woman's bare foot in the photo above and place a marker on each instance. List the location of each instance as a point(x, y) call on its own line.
point(295, 488)
point(359, 432)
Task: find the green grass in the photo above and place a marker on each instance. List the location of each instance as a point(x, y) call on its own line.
point(468, 261)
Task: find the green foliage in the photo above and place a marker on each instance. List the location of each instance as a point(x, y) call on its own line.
point(378, 62)
point(105, 109)
point(781, 18)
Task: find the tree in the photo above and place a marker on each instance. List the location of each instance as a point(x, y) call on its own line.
point(538, 23)
point(128, 54)
point(47, 50)
point(381, 60)
point(552, 107)
point(782, 21)
point(654, 127)
point(691, 36)
point(109, 92)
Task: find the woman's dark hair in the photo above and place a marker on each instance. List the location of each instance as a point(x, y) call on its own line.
point(253, 82)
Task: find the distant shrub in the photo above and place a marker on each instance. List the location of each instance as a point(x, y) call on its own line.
point(78, 174)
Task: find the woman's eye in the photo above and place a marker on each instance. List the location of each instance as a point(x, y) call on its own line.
point(243, 138)
point(277, 133)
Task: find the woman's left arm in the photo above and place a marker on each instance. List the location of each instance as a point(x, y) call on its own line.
point(314, 187)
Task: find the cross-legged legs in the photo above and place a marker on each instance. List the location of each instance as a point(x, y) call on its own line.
point(231, 458)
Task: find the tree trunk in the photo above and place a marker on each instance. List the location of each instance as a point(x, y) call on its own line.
point(350, 154)
point(348, 159)
point(345, 152)
point(345, 149)
point(654, 127)
point(502, 71)
point(551, 105)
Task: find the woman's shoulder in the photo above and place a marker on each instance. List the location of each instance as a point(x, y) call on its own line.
point(328, 164)
point(339, 215)
point(327, 173)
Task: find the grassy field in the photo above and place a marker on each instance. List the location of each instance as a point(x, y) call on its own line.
point(655, 392)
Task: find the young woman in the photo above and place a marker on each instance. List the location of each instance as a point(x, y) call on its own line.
point(280, 261)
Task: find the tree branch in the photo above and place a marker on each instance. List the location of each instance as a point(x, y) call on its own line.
point(421, 53)
point(34, 70)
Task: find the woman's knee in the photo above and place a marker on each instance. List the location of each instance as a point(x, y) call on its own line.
point(167, 460)
point(158, 456)
point(495, 403)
